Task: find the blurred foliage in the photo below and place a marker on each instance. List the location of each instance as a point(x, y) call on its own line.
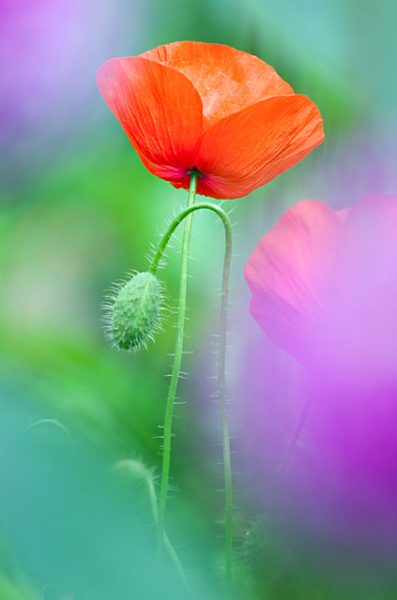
point(78, 212)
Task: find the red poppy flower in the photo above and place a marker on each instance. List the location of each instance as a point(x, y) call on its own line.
point(209, 107)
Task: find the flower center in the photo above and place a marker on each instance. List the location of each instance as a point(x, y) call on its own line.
point(195, 171)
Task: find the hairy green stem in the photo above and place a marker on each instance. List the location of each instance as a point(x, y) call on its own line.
point(176, 367)
point(227, 467)
point(221, 371)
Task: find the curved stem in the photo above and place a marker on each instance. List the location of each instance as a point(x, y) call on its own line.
point(167, 543)
point(138, 469)
point(176, 367)
point(51, 422)
point(221, 368)
point(178, 220)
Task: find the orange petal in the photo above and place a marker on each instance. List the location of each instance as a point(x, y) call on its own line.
point(289, 274)
point(159, 109)
point(226, 79)
point(248, 149)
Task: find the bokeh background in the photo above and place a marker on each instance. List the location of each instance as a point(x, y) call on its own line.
point(78, 211)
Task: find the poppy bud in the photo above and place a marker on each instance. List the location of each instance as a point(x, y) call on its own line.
point(134, 311)
point(135, 467)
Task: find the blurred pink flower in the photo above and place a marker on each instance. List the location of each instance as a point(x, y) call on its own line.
point(324, 289)
point(324, 284)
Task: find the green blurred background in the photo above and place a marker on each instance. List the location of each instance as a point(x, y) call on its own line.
point(78, 211)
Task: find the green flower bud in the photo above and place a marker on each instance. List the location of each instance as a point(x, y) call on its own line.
point(134, 311)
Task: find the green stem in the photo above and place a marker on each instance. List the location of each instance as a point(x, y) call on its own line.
point(138, 469)
point(221, 371)
point(166, 541)
point(227, 467)
point(176, 367)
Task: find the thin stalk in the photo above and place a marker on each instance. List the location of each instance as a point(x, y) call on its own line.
point(221, 367)
point(227, 467)
point(166, 541)
point(139, 470)
point(176, 367)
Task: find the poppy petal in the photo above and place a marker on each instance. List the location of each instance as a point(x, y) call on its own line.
point(288, 271)
point(366, 293)
point(160, 111)
point(248, 149)
point(226, 79)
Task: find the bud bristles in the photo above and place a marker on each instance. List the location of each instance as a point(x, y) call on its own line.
point(132, 316)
